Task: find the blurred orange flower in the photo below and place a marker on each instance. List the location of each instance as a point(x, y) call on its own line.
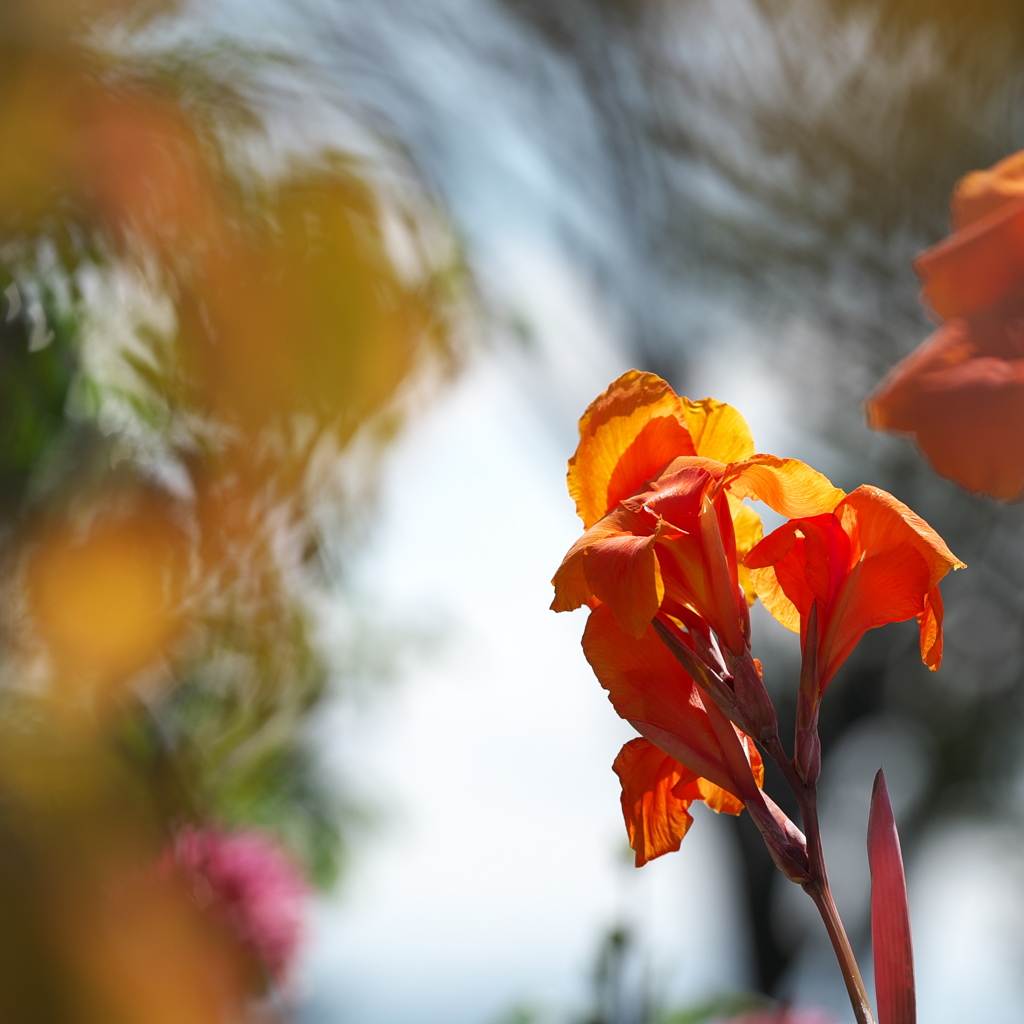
point(106, 600)
point(869, 562)
point(961, 394)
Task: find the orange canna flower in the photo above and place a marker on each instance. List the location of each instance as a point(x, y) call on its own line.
point(961, 394)
point(869, 562)
point(658, 482)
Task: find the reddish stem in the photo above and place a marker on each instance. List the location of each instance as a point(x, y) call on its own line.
point(818, 888)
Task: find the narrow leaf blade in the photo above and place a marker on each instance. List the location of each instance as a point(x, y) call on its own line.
point(890, 914)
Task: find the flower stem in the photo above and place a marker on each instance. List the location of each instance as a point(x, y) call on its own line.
point(818, 888)
point(819, 891)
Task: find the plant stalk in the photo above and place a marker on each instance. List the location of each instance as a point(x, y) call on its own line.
point(818, 888)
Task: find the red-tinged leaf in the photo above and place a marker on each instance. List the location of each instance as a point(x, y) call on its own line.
point(890, 914)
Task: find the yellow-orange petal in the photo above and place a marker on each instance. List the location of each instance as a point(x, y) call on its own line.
point(753, 754)
point(718, 430)
point(749, 530)
point(627, 435)
point(788, 486)
point(767, 587)
point(746, 524)
point(721, 801)
point(656, 819)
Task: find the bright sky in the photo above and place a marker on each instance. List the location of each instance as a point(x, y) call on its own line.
point(501, 863)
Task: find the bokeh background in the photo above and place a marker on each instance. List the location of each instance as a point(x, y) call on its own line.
point(302, 300)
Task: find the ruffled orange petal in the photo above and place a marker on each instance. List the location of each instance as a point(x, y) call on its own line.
point(718, 430)
point(767, 587)
point(618, 553)
point(761, 562)
point(627, 435)
point(788, 486)
point(901, 562)
point(656, 818)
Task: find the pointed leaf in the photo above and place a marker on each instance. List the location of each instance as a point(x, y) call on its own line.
point(890, 915)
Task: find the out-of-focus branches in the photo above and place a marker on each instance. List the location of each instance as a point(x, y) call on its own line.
point(795, 157)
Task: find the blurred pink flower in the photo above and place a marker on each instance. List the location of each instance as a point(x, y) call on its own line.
point(782, 1016)
point(248, 882)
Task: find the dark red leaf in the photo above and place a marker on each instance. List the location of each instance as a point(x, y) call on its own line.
point(890, 915)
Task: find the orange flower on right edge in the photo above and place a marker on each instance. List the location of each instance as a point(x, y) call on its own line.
point(961, 393)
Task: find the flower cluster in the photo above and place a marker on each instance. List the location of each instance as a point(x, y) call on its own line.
point(669, 563)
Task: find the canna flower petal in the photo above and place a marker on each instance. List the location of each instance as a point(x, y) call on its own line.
point(656, 818)
point(929, 623)
point(788, 486)
point(650, 689)
point(718, 430)
point(748, 530)
point(871, 562)
point(721, 801)
point(657, 792)
point(635, 428)
point(615, 562)
point(762, 561)
point(627, 435)
point(623, 572)
point(877, 522)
